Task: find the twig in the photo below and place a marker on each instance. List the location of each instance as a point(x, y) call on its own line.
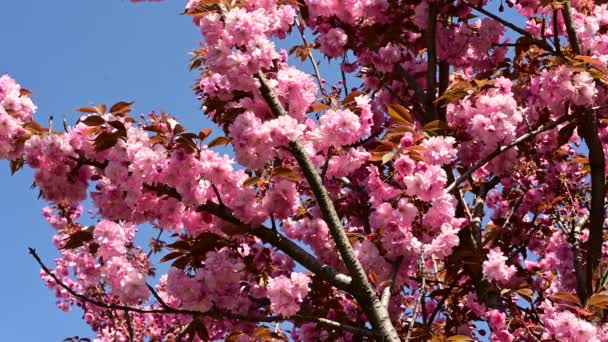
point(512, 26)
point(443, 299)
point(129, 326)
point(311, 57)
point(344, 77)
point(157, 239)
point(418, 301)
point(326, 164)
point(412, 84)
point(217, 194)
point(501, 149)
point(386, 292)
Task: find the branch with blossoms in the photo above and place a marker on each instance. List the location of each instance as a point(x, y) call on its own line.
point(446, 156)
point(501, 149)
point(362, 288)
point(215, 313)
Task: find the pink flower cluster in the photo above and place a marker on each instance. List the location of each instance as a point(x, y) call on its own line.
point(287, 293)
point(495, 268)
point(16, 109)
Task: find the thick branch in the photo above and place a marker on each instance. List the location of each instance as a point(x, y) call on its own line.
point(297, 253)
point(558, 47)
point(572, 37)
point(214, 313)
point(362, 288)
point(276, 239)
point(504, 148)
point(577, 260)
point(588, 127)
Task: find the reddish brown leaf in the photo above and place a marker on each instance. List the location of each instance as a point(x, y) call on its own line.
point(121, 108)
point(86, 110)
point(204, 133)
point(93, 120)
point(219, 141)
point(105, 140)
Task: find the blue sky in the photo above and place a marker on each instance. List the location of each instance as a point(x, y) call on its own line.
point(73, 53)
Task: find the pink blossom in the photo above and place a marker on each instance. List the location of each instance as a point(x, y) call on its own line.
point(427, 183)
point(286, 294)
point(333, 42)
point(282, 199)
point(443, 244)
point(495, 268)
point(439, 150)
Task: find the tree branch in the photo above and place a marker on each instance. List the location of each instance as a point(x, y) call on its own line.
point(572, 37)
point(386, 292)
point(214, 313)
point(129, 326)
point(589, 131)
point(541, 43)
point(362, 288)
point(577, 260)
point(412, 84)
point(274, 238)
point(558, 47)
point(310, 56)
point(418, 301)
point(431, 74)
point(504, 148)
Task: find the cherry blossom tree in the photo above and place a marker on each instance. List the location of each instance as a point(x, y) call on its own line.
point(455, 191)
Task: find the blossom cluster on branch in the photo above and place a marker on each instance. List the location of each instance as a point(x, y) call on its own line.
point(447, 188)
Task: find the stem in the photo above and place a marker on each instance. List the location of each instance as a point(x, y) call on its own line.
point(311, 57)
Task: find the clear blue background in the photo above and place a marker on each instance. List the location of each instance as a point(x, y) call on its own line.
point(73, 53)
